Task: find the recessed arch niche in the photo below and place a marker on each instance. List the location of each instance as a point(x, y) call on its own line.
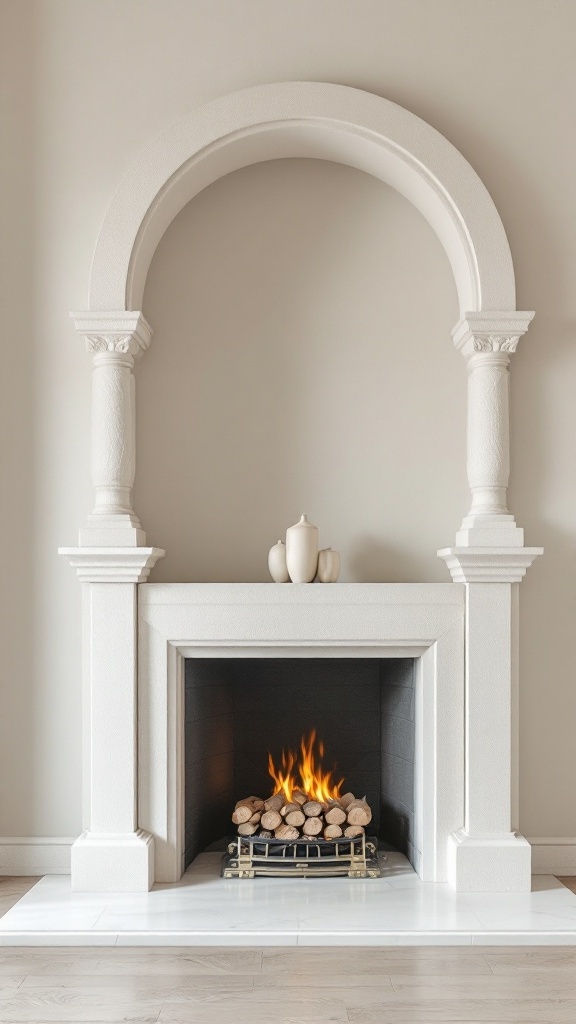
point(301, 310)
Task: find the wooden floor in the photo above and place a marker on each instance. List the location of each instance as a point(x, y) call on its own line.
point(397, 985)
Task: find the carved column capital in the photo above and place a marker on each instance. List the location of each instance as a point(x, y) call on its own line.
point(490, 333)
point(116, 332)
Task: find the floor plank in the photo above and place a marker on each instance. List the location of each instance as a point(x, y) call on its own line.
point(386, 985)
point(12, 889)
point(569, 881)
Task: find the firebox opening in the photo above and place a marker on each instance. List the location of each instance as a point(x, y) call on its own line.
point(240, 710)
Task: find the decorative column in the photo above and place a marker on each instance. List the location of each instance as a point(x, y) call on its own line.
point(112, 854)
point(116, 340)
point(487, 853)
point(486, 340)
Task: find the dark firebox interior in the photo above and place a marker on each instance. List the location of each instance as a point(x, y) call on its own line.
point(239, 709)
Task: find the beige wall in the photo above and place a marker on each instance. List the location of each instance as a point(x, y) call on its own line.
point(306, 295)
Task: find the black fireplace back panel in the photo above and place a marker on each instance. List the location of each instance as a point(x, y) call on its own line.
point(239, 709)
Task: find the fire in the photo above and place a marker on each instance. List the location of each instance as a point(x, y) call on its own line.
point(312, 779)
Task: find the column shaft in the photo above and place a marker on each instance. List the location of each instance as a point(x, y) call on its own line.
point(488, 433)
point(113, 448)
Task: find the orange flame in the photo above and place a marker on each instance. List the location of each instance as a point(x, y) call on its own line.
point(312, 779)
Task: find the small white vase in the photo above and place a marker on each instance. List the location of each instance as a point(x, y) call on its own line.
point(277, 563)
point(328, 565)
point(302, 551)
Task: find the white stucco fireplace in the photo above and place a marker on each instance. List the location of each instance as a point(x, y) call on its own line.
point(463, 634)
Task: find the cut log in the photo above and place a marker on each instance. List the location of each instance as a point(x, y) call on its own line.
point(258, 804)
point(359, 813)
point(312, 827)
point(299, 797)
point(255, 818)
point(295, 818)
point(265, 835)
point(332, 832)
point(335, 815)
point(242, 813)
point(312, 809)
point(289, 807)
point(353, 830)
point(287, 832)
point(347, 799)
point(246, 800)
point(247, 829)
point(271, 820)
point(274, 803)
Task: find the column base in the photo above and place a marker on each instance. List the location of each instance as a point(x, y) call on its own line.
point(107, 531)
point(113, 863)
point(490, 531)
point(500, 863)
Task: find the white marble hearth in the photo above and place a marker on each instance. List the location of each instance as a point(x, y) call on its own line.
point(206, 910)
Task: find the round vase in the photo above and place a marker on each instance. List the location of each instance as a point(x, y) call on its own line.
point(277, 563)
point(328, 565)
point(302, 551)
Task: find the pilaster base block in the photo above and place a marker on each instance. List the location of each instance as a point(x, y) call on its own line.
point(113, 863)
point(500, 863)
point(490, 531)
point(123, 531)
point(488, 565)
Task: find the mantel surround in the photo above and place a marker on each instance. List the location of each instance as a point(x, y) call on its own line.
point(481, 850)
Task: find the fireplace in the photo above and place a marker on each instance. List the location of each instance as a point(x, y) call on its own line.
point(237, 711)
point(462, 636)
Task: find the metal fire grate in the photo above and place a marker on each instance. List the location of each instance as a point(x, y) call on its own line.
point(250, 856)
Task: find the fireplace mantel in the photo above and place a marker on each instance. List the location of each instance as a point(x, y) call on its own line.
point(131, 662)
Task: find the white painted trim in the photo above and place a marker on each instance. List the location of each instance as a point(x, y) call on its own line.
point(553, 855)
point(35, 855)
point(184, 620)
point(304, 119)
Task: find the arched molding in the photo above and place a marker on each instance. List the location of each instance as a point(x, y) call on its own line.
point(304, 119)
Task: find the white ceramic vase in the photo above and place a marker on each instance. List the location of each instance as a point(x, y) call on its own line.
point(277, 563)
point(302, 551)
point(328, 565)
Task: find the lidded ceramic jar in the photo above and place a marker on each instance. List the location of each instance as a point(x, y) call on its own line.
point(302, 551)
point(277, 563)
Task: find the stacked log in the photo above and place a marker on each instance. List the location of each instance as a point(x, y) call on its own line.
point(301, 817)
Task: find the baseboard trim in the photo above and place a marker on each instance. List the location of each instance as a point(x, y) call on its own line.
point(35, 855)
point(553, 855)
point(48, 855)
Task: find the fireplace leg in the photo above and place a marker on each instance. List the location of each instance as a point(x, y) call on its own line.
point(488, 855)
point(112, 854)
point(113, 863)
point(499, 863)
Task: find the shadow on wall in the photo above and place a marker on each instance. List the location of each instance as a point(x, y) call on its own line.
point(302, 362)
point(20, 787)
